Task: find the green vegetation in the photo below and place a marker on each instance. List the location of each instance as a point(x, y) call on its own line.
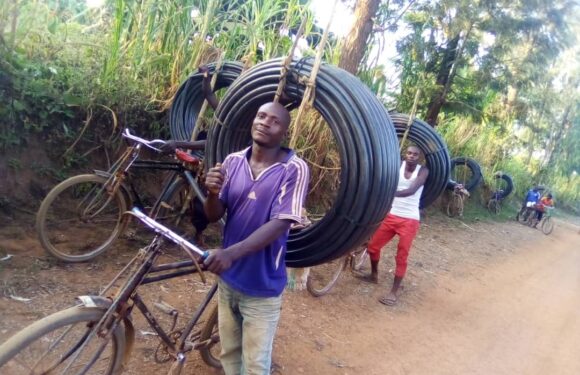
point(500, 79)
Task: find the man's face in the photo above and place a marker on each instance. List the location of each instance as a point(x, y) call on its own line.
point(412, 156)
point(270, 125)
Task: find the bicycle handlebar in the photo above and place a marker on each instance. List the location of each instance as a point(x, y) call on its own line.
point(167, 233)
point(127, 134)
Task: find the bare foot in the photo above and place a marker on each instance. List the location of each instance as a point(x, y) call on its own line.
point(372, 278)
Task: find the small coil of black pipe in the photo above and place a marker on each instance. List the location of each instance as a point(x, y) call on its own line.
point(189, 98)
point(509, 184)
point(366, 141)
point(435, 151)
point(475, 176)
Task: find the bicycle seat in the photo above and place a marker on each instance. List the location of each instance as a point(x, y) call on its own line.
point(186, 158)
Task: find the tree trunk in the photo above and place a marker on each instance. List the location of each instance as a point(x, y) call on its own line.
point(443, 79)
point(446, 74)
point(355, 43)
point(556, 136)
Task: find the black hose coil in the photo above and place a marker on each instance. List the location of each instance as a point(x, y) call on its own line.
point(435, 151)
point(509, 184)
point(473, 166)
point(189, 98)
point(365, 138)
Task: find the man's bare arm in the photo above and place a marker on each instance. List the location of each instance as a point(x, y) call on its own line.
point(420, 181)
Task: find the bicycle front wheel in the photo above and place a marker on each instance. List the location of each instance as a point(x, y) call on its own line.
point(322, 278)
point(58, 344)
point(79, 219)
point(210, 351)
point(547, 225)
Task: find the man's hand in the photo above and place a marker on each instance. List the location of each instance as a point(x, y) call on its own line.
point(168, 147)
point(218, 261)
point(214, 179)
point(203, 69)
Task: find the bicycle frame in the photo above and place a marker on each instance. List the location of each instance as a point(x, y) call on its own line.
point(117, 176)
point(120, 307)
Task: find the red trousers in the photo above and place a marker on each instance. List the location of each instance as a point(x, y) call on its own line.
point(406, 229)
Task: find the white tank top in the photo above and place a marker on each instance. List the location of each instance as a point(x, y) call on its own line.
point(407, 207)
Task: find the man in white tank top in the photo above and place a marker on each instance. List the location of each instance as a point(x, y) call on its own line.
point(402, 220)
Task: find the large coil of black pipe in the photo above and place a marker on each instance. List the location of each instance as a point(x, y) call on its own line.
point(189, 98)
point(469, 180)
point(435, 151)
point(365, 138)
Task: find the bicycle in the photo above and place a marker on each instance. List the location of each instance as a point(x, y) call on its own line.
point(455, 204)
point(503, 186)
point(82, 216)
point(547, 222)
point(96, 335)
point(528, 217)
point(322, 278)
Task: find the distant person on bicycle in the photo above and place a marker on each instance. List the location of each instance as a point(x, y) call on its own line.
point(532, 198)
point(402, 220)
point(541, 207)
point(263, 189)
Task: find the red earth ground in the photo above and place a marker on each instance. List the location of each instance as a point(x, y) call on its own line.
point(480, 298)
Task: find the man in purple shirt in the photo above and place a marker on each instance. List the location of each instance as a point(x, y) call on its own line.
point(262, 188)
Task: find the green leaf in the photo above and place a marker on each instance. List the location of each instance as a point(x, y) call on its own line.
point(19, 106)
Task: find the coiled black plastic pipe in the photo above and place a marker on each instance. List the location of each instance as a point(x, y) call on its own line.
point(365, 138)
point(435, 151)
point(509, 184)
point(475, 178)
point(189, 98)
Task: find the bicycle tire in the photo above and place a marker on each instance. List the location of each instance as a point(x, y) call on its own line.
point(171, 211)
point(210, 333)
point(38, 333)
point(455, 206)
point(318, 282)
point(83, 241)
point(547, 226)
point(524, 217)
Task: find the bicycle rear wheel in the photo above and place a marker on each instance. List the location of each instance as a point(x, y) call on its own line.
point(493, 206)
point(175, 210)
point(547, 225)
point(210, 352)
point(54, 345)
point(455, 206)
point(322, 278)
point(79, 219)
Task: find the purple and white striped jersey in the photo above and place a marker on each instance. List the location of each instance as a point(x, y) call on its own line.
point(277, 193)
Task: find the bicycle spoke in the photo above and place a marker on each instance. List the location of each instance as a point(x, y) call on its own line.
point(52, 346)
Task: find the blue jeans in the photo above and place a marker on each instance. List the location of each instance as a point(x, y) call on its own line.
point(247, 326)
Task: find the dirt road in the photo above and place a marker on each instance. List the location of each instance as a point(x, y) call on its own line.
point(480, 298)
point(517, 316)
